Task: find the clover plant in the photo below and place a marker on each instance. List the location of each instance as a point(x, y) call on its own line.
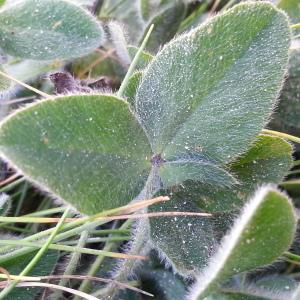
point(188, 124)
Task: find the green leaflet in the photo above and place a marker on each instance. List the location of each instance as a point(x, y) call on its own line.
point(276, 287)
point(87, 150)
point(173, 173)
point(262, 232)
point(26, 70)
point(48, 29)
point(207, 94)
point(268, 160)
point(163, 284)
point(185, 242)
point(134, 81)
point(130, 90)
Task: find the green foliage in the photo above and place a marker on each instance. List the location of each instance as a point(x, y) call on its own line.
point(15, 265)
point(127, 12)
point(78, 148)
point(174, 119)
point(292, 8)
point(144, 58)
point(189, 127)
point(166, 24)
point(254, 240)
point(131, 88)
point(48, 29)
point(163, 284)
point(173, 173)
point(253, 168)
point(232, 59)
point(186, 243)
point(26, 70)
point(265, 288)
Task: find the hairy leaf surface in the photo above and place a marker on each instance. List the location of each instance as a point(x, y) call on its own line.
point(268, 160)
point(256, 239)
point(48, 29)
point(88, 150)
point(173, 173)
point(207, 94)
point(186, 242)
point(130, 90)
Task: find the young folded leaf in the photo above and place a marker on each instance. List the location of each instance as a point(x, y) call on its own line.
point(208, 93)
point(48, 29)
point(173, 173)
point(263, 231)
point(267, 161)
point(130, 90)
point(88, 150)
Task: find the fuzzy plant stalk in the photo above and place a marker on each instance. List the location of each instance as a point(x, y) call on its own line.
point(118, 40)
point(139, 244)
